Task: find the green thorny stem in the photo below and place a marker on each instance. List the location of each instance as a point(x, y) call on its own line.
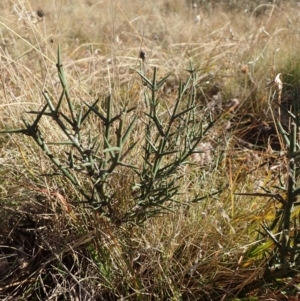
point(168, 141)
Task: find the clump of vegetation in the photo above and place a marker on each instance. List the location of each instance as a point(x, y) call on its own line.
point(154, 156)
point(171, 136)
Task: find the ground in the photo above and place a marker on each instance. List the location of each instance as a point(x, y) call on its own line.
point(161, 172)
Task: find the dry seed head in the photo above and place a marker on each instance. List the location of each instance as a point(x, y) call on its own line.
point(142, 55)
point(40, 13)
point(32, 17)
point(245, 69)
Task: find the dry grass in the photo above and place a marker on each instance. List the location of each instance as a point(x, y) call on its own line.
point(54, 250)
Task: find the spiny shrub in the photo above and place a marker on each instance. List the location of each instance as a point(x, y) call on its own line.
point(95, 161)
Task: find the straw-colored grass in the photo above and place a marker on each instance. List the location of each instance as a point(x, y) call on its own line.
point(53, 249)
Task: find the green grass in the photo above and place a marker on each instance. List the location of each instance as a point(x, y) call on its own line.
point(52, 244)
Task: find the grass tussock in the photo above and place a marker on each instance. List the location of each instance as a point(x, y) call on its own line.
point(211, 238)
